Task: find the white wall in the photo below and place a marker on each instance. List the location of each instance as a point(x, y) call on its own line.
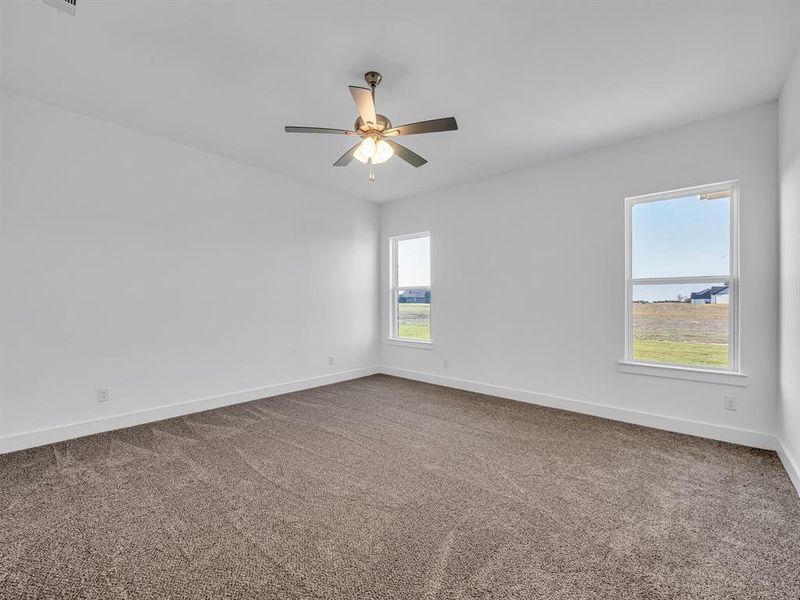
point(789, 398)
point(528, 238)
point(165, 274)
point(169, 275)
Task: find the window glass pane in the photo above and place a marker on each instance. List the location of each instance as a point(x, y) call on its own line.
point(681, 237)
point(414, 262)
point(414, 314)
point(682, 324)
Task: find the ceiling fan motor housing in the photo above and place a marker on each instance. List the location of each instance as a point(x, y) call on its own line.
point(382, 125)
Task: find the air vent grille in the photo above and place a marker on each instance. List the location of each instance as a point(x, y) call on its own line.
point(67, 6)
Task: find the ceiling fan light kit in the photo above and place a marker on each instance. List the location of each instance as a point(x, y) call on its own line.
point(375, 130)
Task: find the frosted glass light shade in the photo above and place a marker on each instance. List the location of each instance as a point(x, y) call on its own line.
point(383, 152)
point(379, 151)
point(366, 150)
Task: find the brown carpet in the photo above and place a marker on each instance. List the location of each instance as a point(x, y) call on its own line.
point(387, 488)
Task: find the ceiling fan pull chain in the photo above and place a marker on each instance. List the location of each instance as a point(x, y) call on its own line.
point(371, 171)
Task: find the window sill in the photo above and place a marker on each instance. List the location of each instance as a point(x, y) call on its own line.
point(686, 373)
point(401, 343)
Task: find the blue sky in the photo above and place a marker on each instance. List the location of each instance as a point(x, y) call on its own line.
point(679, 238)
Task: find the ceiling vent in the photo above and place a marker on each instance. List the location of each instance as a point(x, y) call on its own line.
point(67, 6)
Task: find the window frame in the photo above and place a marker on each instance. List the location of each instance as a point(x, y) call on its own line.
point(395, 289)
point(733, 279)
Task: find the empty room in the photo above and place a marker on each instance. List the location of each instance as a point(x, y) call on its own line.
point(400, 300)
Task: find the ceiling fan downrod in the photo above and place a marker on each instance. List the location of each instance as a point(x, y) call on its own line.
point(373, 78)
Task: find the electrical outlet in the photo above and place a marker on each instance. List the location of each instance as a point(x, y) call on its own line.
point(331, 360)
point(103, 395)
point(446, 363)
point(730, 403)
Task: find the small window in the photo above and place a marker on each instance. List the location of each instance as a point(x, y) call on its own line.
point(411, 287)
point(681, 283)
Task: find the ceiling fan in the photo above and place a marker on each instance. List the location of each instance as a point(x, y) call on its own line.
point(376, 131)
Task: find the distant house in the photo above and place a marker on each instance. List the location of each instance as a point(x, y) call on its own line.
point(716, 294)
point(414, 297)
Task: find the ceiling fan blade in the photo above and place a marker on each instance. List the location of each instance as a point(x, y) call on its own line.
point(292, 129)
point(346, 158)
point(364, 103)
point(432, 126)
point(412, 158)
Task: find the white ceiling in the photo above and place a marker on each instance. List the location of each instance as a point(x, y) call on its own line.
point(525, 81)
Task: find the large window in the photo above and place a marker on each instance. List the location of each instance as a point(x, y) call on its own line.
point(681, 282)
point(411, 287)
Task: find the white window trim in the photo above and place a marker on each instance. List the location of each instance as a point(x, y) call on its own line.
point(732, 374)
point(394, 339)
point(409, 343)
point(684, 372)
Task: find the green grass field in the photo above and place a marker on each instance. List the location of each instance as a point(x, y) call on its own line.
point(689, 353)
point(668, 332)
point(414, 321)
point(681, 333)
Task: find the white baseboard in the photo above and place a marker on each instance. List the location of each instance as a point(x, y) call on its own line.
point(40, 437)
point(791, 466)
point(745, 437)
